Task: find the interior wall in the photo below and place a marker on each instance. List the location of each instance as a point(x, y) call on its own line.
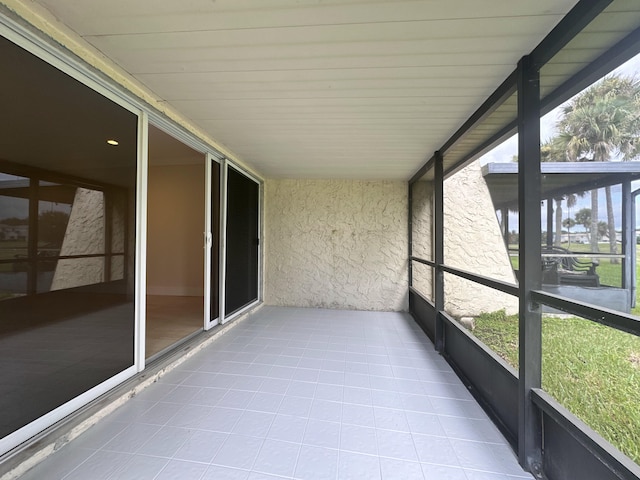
point(336, 244)
point(175, 253)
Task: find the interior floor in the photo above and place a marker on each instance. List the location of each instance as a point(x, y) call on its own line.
point(170, 319)
point(294, 393)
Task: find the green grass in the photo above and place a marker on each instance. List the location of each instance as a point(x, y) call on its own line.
point(592, 370)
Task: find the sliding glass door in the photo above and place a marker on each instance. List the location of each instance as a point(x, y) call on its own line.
point(243, 239)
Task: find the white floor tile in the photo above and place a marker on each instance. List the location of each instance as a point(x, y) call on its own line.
point(238, 451)
point(303, 394)
point(321, 433)
point(317, 463)
point(201, 446)
point(181, 470)
point(254, 424)
point(140, 467)
point(441, 472)
point(436, 450)
point(165, 442)
point(215, 472)
point(99, 466)
point(296, 406)
point(352, 466)
point(362, 415)
point(288, 428)
point(354, 438)
point(392, 469)
point(391, 418)
point(398, 445)
point(277, 458)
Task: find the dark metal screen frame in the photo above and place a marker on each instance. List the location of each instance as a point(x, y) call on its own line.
point(535, 408)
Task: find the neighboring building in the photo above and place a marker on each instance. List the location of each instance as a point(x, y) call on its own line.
point(13, 232)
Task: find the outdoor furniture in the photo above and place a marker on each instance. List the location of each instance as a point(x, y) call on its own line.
point(562, 267)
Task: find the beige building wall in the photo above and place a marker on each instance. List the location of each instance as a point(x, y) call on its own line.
point(336, 244)
point(85, 235)
point(175, 253)
point(422, 236)
point(473, 242)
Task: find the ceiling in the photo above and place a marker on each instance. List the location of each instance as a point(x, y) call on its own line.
point(319, 88)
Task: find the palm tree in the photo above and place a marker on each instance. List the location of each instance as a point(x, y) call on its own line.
point(600, 122)
point(553, 151)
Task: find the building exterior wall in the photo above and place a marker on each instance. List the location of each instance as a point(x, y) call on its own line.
point(422, 236)
point(473, 242)
point(336, 244)
point(85, 235)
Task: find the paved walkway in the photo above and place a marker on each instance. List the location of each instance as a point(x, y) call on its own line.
point(302, 394)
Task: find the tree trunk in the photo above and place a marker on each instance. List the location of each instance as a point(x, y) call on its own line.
point(593, 234)
point(557, 239)
point(611, 225)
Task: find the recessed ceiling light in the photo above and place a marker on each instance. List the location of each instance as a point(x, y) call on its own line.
point(112, 142)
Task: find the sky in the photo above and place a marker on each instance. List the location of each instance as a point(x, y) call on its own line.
point(505, 152)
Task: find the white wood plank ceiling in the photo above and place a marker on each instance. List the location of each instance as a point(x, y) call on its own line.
point(319, 89)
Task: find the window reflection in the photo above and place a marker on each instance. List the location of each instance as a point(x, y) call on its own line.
point(67, 203)
point(14, 234)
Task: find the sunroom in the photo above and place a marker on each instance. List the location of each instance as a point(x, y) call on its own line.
point(170, 172)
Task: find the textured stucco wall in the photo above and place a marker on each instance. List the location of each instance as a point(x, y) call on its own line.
point(422, 236)
point(336, 244)
point(473, 242)
point(117, 203)
point(84, 236)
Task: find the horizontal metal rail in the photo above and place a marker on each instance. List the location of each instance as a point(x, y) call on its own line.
point(424, 262)
point(499, 285)
point(514, 253)
point(611, 318)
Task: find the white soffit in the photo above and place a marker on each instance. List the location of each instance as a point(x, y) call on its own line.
point(319, 89)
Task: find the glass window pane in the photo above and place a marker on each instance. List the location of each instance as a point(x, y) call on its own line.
point(14, 234)
point(66, 324)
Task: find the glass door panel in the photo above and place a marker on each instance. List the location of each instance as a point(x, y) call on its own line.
point(214, 244)
point(241, 280)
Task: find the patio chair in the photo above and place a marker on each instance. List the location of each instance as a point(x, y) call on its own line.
point(567, 269)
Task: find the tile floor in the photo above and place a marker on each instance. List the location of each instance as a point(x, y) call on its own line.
point(303, 394)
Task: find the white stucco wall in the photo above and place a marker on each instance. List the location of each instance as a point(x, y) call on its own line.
point(422, 236)
point(84, 236)
point(336, 244)
point(473, 242)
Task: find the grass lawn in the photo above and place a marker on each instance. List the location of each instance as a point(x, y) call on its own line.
point(593, 370)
